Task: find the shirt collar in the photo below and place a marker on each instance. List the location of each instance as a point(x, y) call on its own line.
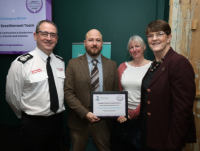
point(89, 58)
point(43, 55)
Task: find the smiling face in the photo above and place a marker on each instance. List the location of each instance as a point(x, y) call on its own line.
point(159, 42)
point(93, 43)
point(136, 50)
point(46, 44)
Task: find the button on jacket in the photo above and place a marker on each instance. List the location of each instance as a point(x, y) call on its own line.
point(171, 94)
point(27, 86)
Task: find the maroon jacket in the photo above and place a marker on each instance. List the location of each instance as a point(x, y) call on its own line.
point(170, 98)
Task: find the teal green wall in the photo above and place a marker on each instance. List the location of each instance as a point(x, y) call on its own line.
point(117, 20)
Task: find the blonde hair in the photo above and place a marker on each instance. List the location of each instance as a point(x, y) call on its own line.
point(138, 39)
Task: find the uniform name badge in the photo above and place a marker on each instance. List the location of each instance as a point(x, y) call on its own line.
point(109, 104)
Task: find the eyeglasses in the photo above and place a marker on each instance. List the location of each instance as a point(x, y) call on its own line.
point(45, 34)
point(158, 35)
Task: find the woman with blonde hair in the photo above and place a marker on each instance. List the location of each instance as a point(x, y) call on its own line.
point(130, 79)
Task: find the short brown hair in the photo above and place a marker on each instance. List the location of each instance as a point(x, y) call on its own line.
point(46, 21)
point(158, 25)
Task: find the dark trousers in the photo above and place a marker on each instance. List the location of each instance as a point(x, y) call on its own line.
point(40, 133)
point(129, 147)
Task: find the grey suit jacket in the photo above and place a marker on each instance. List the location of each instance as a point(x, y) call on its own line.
point(77, 88)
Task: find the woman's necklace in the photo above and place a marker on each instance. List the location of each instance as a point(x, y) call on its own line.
point(155, 64)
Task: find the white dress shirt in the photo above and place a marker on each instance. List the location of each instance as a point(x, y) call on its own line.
point(27, 87)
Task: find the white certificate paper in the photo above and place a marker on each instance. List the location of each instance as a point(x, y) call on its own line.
point(109, 105)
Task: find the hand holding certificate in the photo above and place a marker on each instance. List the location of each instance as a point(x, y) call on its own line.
point(109, 104)
point(91, 117)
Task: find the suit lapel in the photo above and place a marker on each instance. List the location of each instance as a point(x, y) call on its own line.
point(105, 70)
point(162, 68)
point(158, 73)
point(84, 64)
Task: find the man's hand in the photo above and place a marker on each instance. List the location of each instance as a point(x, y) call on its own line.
point(121, 119)
point(91, 117)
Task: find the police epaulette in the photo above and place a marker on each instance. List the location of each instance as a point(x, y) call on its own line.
point(59, 57)
point(25, 58)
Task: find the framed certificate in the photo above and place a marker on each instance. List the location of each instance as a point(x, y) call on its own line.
point(109, 104)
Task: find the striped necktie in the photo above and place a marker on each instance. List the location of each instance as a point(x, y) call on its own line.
point(95, 76)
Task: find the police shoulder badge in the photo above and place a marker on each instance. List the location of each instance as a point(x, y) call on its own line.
point(59, 57)
point(24, 58)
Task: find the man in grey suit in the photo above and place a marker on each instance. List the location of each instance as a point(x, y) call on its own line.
point(81, 120)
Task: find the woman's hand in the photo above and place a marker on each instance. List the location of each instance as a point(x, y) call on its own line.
point(121, 119)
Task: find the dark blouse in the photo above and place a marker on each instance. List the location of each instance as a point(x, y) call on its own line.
point(145, 86)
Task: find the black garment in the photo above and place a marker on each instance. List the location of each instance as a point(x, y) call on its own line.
point(52, 88)
point(39, 133)
point(118, 144)
point(129, 132)
point(129, 147)
point(145, 86)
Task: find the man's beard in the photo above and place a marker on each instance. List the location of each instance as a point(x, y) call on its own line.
point(92, 53)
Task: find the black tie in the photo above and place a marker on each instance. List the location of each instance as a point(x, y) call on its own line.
point(52, 88)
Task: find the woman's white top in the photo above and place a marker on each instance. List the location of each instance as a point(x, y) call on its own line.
point(131, 81)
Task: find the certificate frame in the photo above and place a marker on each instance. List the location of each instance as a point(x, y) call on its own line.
point(120, 104)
